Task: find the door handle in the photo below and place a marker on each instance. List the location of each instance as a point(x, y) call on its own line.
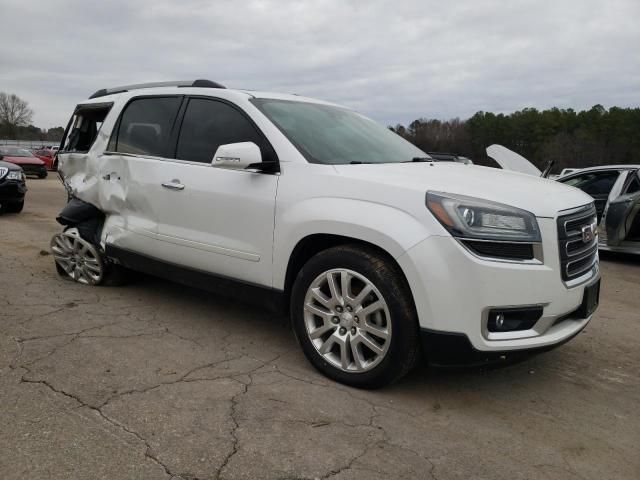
point(173, 185)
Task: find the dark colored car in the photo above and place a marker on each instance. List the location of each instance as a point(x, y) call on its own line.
point(31, 165)
point(48, 156)
point(12, 188)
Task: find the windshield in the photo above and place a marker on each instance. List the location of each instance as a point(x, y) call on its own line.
point(333, 135)
point(15, 152)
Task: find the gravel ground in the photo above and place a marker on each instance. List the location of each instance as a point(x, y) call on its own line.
point(155, 380)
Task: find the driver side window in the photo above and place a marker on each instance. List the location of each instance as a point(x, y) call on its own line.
point(208, 124)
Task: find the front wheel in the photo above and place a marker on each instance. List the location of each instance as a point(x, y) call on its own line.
point(15, 207)
point(353, 314)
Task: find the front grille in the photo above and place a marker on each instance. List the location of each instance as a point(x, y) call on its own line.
point(577, 257)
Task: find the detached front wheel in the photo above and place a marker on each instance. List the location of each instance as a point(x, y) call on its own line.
point(354, 317)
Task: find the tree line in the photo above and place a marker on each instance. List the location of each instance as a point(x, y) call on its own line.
point(571, 139)
point(15, 121)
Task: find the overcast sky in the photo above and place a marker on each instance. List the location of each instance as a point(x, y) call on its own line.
point(392, 60)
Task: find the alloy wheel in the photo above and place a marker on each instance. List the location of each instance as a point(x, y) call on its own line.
point(79, 259)
point(347, 320)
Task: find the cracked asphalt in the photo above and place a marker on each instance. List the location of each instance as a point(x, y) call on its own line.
point(156, 380)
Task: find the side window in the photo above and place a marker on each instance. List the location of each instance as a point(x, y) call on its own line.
point(595, 183)
point(84, 127)
point(208, 124)
point(634, 185)
point(145, 126)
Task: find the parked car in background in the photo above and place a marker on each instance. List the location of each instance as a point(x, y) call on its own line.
point(31, 165)
point(48, 156)
point(616, 191)
point(566, 171)
point(449, 157)
point(614, 188)
point(12, 188)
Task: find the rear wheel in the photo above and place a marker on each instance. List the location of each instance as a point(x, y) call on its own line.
point(353, 314)
point(82, 261)
point(42, 174)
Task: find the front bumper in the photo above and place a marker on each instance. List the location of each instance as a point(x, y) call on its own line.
point(454, 290)
point(448, 349)
point(39, 170)
point(12, 191)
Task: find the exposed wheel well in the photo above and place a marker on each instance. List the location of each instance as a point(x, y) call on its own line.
point(313, 244)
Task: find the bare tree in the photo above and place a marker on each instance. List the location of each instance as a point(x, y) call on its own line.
point(14, 112)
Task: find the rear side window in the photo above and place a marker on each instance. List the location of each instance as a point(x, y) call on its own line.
point(634, 185)
point(145, 126)
point(208, 124)
point(595, 183)
point(84, 127)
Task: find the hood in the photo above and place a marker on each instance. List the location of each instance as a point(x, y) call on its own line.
point(510, 160)
point(9, 166)
point(23, 160)
point(542, 197)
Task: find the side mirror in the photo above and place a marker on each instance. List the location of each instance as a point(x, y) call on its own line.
point(237, 156)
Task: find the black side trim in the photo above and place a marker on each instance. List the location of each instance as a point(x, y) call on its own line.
point(245, 292)
point(511, 251)
point(451, 349)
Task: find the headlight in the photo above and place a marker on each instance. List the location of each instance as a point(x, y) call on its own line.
point(16, 175)
point(474, 218)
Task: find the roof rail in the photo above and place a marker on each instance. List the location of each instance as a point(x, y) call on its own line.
point(180, 83)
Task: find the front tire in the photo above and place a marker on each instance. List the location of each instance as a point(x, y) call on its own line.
point(15, 207)
point(42, 175)
point(353, 314)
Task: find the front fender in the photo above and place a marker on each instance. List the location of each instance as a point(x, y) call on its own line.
point(389, 228)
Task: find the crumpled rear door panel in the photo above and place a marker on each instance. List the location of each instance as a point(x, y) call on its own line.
point(121, 186)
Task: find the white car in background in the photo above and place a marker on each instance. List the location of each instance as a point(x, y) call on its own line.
point(378, 253)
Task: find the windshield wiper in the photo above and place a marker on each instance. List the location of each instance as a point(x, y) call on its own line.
point(358, 162)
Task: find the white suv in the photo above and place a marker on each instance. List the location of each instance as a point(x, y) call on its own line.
point(378, 252)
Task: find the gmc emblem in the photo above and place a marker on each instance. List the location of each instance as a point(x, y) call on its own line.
point(588, 233)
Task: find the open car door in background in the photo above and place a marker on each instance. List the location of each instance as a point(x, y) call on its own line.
point(622, 220)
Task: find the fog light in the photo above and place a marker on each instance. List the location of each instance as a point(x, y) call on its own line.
point(512, 319)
